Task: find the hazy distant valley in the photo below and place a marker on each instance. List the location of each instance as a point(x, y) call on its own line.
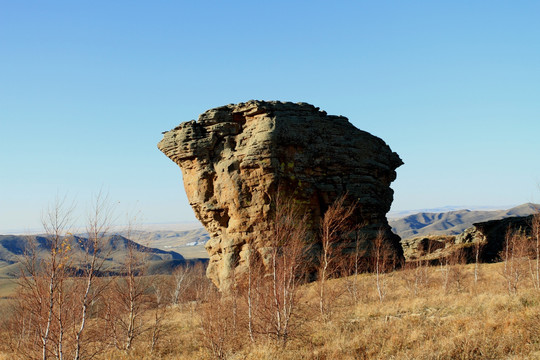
point(159, 250)
point(168, 248)
point(189, 243)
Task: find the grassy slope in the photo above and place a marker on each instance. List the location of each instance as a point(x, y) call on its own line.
point(7, 288)
point(425, 322)
point(417, 319)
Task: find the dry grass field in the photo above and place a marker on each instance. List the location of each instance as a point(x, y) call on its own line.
point(7, 289)
point(420, 313)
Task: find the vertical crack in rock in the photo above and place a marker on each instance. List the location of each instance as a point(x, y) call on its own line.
point(234, 157)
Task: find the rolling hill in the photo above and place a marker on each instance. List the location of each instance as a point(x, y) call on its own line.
point(113, 253)
point(452, 222)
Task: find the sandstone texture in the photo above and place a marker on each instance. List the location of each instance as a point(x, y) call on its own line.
point(234, 158)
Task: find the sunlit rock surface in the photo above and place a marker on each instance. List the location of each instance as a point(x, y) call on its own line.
point(234, 158)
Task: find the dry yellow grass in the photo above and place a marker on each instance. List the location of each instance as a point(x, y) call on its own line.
point(7, 288)
point(463, 321)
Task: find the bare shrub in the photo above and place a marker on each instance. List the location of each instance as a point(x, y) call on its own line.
point(457, 271)
point(218, 328)
point(416, 275)
point(223, 319)
point(452, 271)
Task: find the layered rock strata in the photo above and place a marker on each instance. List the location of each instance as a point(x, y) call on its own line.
point(235, 157)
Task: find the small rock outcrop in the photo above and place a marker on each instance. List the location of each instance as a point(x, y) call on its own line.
point(235, 157)
point(492, 234)
point(423, 246)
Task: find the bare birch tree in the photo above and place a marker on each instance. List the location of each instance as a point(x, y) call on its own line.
point(382, 263)
point(43, 297)
point(91, 266)
point(127, 299)
point(181, 281)
point(534, 259)
point(335, 227)
point(275, 274)
point(513, 255)
point(477, 250)
point(58, 286)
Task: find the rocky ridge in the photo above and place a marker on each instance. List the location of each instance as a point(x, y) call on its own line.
point(235, 157)
point(452, 222)
point(490, 235)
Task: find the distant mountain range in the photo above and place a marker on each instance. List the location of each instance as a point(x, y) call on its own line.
point(398, 214)
point(166, 249)
point(113, 253)
point(452, 222)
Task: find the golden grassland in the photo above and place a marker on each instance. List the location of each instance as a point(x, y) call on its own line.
point(417, 318)
point(7, 289)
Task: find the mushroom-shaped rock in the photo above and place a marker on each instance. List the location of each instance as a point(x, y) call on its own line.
point(235, 157)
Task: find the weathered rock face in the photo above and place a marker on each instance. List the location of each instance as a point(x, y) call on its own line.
point(422, 246)
point(489, 235)
point(492, 234)
point(234, 158)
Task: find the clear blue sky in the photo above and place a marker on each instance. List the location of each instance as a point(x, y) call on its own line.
point(87, 87)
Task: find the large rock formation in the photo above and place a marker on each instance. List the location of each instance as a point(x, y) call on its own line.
point(234, 158)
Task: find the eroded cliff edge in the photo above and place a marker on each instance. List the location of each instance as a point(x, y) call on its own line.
point(234, 158)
